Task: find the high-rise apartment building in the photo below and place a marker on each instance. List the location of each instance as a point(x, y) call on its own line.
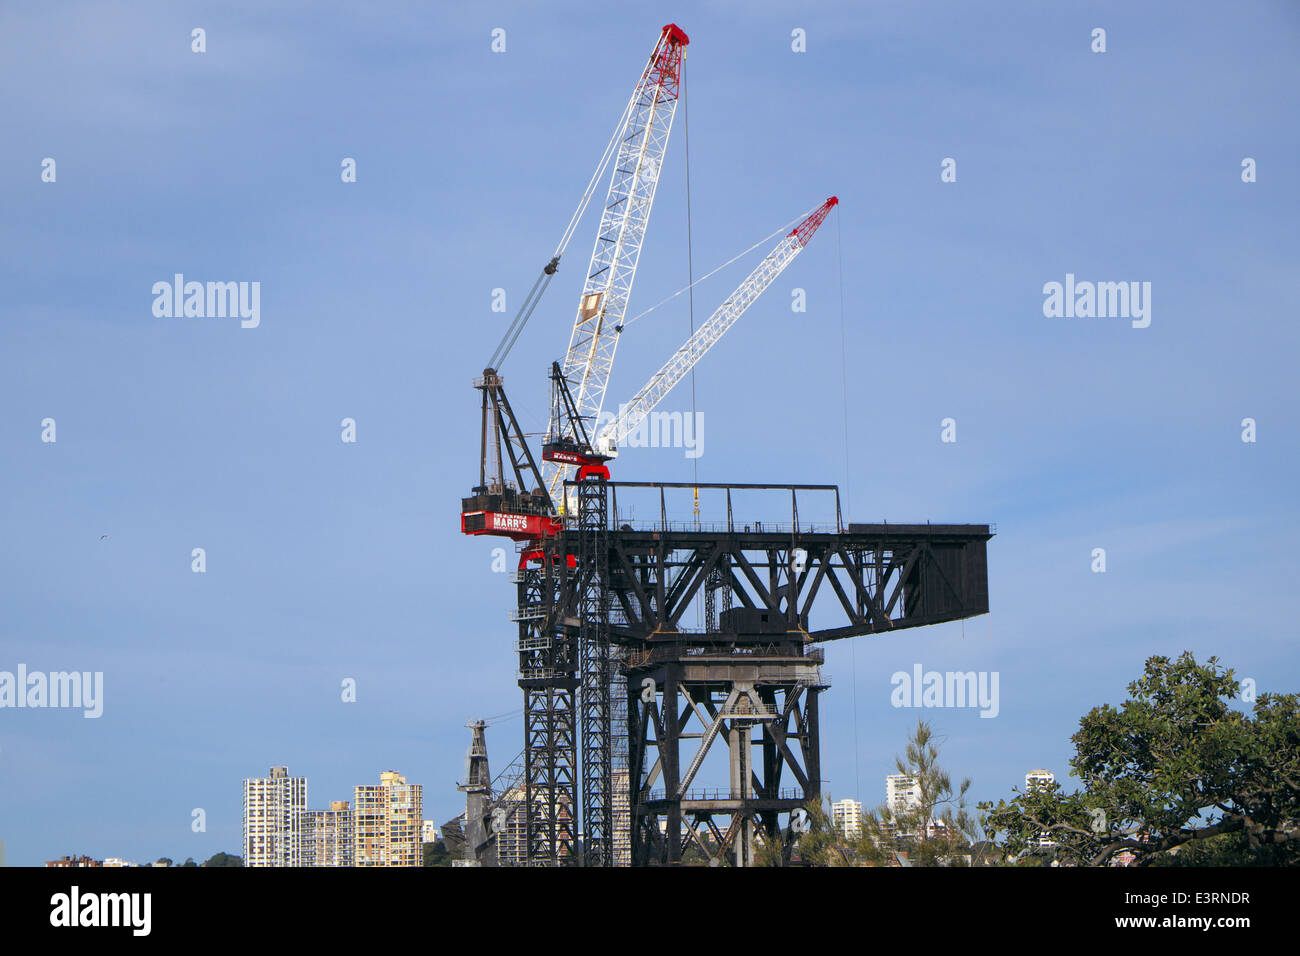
point(387, 823)
point(902, 793)
point(620, 817)
point(846, 816)
point(273, 808)
point(510, 823)
point(1040, 779)
point(327, 836)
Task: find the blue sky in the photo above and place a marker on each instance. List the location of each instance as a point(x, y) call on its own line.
point(328, 560)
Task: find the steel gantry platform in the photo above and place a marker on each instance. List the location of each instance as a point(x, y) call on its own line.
point(624, 704)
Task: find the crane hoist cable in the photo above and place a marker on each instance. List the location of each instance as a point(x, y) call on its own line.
point(548, 271)
point(848, 486)
point(489, 721)
point(690, 277)
point(690, 284)
point(611, 436)
point(712, 272)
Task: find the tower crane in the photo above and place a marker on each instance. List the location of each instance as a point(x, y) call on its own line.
point(603, 304)
point(516, 510)
point(518, 498)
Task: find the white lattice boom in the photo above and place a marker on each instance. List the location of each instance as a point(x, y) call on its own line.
point(630, 415)
point(603, 305)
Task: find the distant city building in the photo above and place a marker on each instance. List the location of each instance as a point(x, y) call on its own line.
point(846, 816)
point(620, 818)
point(118, 861)
point(73, 861)
point(429, 832)
point(328, 836)
point(273, 812)
point(387, 823)
point(1040, 780)
point(902, 793)
point(510, 823)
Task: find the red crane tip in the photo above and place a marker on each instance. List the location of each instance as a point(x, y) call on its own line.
point(833, 201)
point(676, 34)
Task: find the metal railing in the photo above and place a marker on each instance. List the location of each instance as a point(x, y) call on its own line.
point(720, 527)
point(785, 793)
point(662, 653)
point(532, 612)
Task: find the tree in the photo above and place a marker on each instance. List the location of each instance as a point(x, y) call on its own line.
point(189, 861)
point(163, 861)
point(1173, 766)
point(935, 829)
point(224, 859)
point(822, 844)
point(436, 854)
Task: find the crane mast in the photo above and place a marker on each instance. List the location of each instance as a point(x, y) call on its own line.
point(706, 336)
point(603, 304)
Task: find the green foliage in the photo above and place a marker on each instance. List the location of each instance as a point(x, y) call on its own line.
point(938, 830)
point(769, 852)
point(823, 845)
point(436, 854)
point(1226, 849)
point(1172, 765)
point(694, 855)
point(224, 859)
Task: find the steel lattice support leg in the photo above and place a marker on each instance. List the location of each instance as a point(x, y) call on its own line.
point(596, 669)
point(546, 675)
point(682, 706)
point(549, 775)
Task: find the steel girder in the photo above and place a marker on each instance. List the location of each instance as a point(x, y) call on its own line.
point(683, 708)
point(873, 578)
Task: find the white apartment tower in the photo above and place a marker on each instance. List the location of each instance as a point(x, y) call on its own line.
point(846, 817)
point(1035, 780)
point(273, 808)
point(387, 820)
point(902, 793)
point(1039, 778)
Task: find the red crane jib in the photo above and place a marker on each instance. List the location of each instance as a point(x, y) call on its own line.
point(804, 231)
